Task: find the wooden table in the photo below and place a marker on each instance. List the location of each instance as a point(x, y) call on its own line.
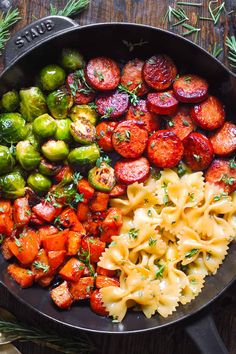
point(172, 340)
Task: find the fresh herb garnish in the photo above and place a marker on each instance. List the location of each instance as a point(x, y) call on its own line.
point(132, 94)
point(6, 21)
point(79, 80)
point(77, 177)
point(41, 266)
point(185, 123)
point(160, 270)
point(123, 137)
point(2, 237)
point(166, 197)
point(191, 253)
point(191, 196)
point(101, 159)
point(171, 123)
point(181, 170)
point(197, 157)
point(183, 3)
point(231, 44)
point(99, 75)
point(179, 14)
point(232, 163)
point(219, 197)
point(152, 242)
point(227, 179)
point(108, 113)
point(72, 8)
point(85, 258)
point(133, 233)
point(217, 50)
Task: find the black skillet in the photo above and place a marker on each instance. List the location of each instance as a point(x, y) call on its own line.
point(40, 43)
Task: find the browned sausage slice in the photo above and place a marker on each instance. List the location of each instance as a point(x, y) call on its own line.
point(163, 103)
point(141, 113)
point(190, 89)
point(130, 170)
point(112, 105)
point(102, 73)
point(132, 77)
point(81, 93)
point(165, 149)
point(198, 151)
point(181, 122)
point(221, 174)
point(129, 139)
point(159, 72)
point(209, 114)
point(224, 140)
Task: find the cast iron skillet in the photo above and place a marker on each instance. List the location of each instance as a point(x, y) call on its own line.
point(28, 51)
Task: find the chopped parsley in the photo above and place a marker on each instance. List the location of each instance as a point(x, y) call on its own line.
point(197, 157)
point(133, 233)
point(1, 238)
point(232, 163)
point(102, 159)
point(185, 123)
point(181, 170)
point(187, 79)
point(149, 212)
point(160, 270)
point(99, 75)
point(220, 196)
point(191, 253)
point(108, 113)
point(152, 242)
point(227, 179)
point(191, 196)
point(171, 123)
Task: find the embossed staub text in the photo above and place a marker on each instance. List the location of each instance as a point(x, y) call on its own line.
point(34, 32)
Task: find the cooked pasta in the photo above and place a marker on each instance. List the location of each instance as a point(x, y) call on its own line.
point(176, 231)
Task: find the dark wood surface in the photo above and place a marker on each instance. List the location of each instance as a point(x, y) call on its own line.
point(171, 340)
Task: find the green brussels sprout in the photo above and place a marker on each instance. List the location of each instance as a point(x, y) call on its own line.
point(31, 137)
point(102, 177)
point(12, 128)
point(84, 155)
point(83, 131)
point(44, 126)
point(10, 101)
point(51, 77)
point(39, 183)
point(71, 59)
point(59, 103)
point(84, 111)
point(7, 161)
point(22, 172)
point(48, 168)
point(63, 130)
point(12, 185)
point(26, 154)
point(32, 104)
point(55, 150)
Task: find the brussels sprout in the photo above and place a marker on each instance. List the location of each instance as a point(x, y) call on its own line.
point(84, 111)
point(83, 131)
point(71, 59)
point(10, 101)
point(44, 126)
point(51, 77)
point(32, 104)
point(20, 170)
point(31, 137)
point(102, 178)
point(55, 150)
point(59, 103)
point(48, 168)
point(39, 183)
point(7, 161)
point(12, 128)
point(84, 155)
point(28, 157)
point(12, 185)
point(63, 130)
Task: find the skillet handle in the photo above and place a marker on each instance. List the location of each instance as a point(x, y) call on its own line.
point(203, 332)
point(34, 34)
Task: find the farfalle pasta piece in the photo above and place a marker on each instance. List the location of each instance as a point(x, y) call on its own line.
point(192, 289)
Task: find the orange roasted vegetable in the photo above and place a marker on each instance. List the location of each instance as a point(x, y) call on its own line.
point(99, 201)
point(103, 281)
point(21, 212)
point(112, 224)
point(82, 211)
point(40, 267)
point(25, 248)
point(56, 242)
point(24, 277)
point(47, 230)
point(106, 272)
point(61, 296)
point(6, 224)
point(74, 242)
point(68, 219)
point(56, 258)
point(72, 270)
point(5, 207)
point(6, 252)
point(82, 289)
point(97, 305)
point(93, 246)
point(47, 211)
point(84, 188)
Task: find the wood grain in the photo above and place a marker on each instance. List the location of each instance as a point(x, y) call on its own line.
point(171, 340)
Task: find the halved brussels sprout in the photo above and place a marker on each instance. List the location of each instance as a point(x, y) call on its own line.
point(48, 168)
point(10, 101)
point(59, 103)
point(71, 59)
point(39, 183)
point(83, 131)
point(12, 128)
point(84, 111)
point(33, 103)
point(55, 150)
point(7, 161)
point(27, 155)
point(84, 155)
point(63, 130)
point(51, 77)
point(31, 137)
point(102, 178)
point(44, 126)
point(12, 185)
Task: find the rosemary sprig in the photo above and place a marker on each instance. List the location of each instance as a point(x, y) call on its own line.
point(6, 21)
point(231, 44)
point(132, 94)
point(217, 11)
point(72, 8)
point(183, 3)
point(178, 13)
point(217, 50)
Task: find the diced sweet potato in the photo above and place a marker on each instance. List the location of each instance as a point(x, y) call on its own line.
point(61, 296)
point(82, 211)
point(47, 230)
point(56, 242)
point(106, 272)
point(94, 246)
point(84, 188)
point(99, 201)
point(112, 224)
point(45, 281)
point(72, 270)
point(74, 242)
point(103, 281)
point(6, 252)
point(82, 289)
point(68, 219)
point(21, 212)
point(25, 248)
point(24, 277)
point(56, 258)
point(6, 225)
point(46, 211)
point(40, 266)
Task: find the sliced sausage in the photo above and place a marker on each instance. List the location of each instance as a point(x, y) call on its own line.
point(129, 139)
point(181, 122)
point(112, 105)
point(209, 114)
point(198, 151)
point(221, 174)
point(224, 140)
point(81, 93)
point(102, 73)
point(159, 72)
point(190, 88)
point(163, 103)
point(165, 149)
point(104, 133)
point(132, 77)
point(141, 113)
point(132, 170)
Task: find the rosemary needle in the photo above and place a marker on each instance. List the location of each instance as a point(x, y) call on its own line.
point(6, 21)
point(73, 7)
point(217, 50)
point(183, 3)
point(231, 44)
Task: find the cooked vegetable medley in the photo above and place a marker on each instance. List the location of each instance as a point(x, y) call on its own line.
point(56, 179)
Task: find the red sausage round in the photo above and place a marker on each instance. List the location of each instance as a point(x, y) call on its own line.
point(165, 149)
point(129, 139)
point(96, 303)
point(82, 94)
point(181, 122)
point(163, 103)
point(198, 151)
point(102, 73)
point(221, 174)
point(112, 105)
point(132, 170)
point(209, 114)
point(104, 133)
point(132, 77)
point(141, 113)
point(190, 89)
point(159, 72)
point(224, 140)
